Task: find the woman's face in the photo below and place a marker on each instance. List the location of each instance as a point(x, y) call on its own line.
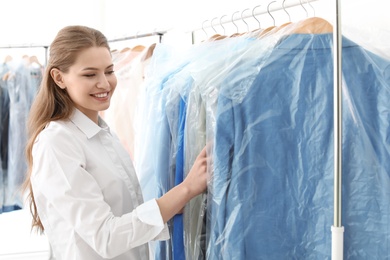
point(90, 81)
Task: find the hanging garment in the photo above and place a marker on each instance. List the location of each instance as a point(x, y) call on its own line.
point(130, 71)
point(224, 56)
point(21, 93)
point(4, 124)
point(273, 156)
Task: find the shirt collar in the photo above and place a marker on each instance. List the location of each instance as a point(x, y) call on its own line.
point(86, 125)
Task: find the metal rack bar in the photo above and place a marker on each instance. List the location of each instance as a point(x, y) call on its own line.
point(20, 46)
point(132, 37)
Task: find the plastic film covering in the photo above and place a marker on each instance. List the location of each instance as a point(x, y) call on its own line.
point(264, 103)
point(271, 194)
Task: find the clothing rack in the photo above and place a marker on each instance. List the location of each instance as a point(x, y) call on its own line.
point(337, 229)
point(46, 47)
point(270, 8)
point(160, 34)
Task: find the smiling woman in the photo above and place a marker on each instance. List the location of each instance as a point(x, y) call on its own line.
point(90, 87)
point(81, 183)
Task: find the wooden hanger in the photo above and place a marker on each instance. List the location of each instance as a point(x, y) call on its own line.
point(269, 29)
point(149, 52)
point(138, 48)
point(312, 25)
point(216, 35)
point(125, 49)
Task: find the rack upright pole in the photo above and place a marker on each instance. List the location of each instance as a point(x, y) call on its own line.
point(337, 228)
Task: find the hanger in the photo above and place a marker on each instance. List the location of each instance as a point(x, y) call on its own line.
point(224, 32)
point(314, 10)
point(216, 35)
point(149, 52)
point(235, 34)
point(204, 29)
point(267, 30)
point(138, 48)
point(243, 20)
point(276, 29)
point(7, 59)
point(311, 25)
point(34, 60)
point(255, 33)
point(254, 16)
point(125, 49)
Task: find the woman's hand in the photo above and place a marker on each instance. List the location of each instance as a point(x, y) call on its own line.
point(194, 184)
point(196, 180)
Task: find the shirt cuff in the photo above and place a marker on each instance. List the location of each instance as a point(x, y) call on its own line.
point(149, 213)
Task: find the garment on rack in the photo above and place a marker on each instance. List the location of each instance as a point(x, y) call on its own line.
point(266, 106)
point(228, 54)
point(166, 107)
point(273, 156)
point(21, 86)
point(130, 69)
point(4, 125)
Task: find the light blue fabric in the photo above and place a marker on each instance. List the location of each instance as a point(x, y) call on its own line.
point(21, 90)
point(273, 159)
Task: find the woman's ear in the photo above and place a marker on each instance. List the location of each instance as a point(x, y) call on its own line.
point(57, 76)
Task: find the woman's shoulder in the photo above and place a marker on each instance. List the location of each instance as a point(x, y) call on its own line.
point(58, 132)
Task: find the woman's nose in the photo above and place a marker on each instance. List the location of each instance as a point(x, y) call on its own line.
point(103, 82)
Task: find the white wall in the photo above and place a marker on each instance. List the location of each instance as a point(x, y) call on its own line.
point(26, 22)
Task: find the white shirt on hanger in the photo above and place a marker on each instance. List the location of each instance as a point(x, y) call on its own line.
point(88, 196)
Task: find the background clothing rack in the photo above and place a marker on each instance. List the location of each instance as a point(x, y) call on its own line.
point(160, 34)
point(46, 47)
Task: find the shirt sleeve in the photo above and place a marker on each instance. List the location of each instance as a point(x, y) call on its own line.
point(66, 193)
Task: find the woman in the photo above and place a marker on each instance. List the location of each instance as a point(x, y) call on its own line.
point(82, 187)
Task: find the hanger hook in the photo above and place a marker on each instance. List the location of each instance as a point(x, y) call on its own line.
point(212, 24)
point(307, 15)
point(289, 18)
point(233, 20)
point(204, 29)
point(270, 12)
point(254, 16)
point(242, 18)
point(220, 23)
point(314, 10)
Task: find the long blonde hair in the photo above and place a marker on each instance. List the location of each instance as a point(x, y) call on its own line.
point(51, 102)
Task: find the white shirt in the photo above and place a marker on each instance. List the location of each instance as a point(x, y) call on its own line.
point(88, 196)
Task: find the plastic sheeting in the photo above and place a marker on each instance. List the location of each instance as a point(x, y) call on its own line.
point(265, 104)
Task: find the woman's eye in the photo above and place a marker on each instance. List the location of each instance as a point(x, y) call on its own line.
point(110, 72)
point(89, 75)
